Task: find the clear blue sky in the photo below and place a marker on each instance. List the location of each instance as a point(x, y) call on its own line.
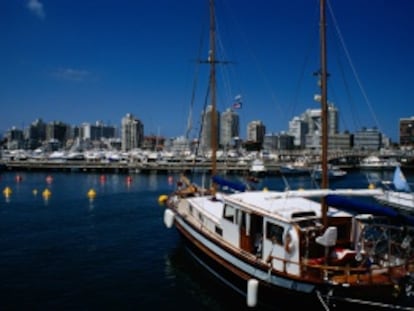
point(82, 61)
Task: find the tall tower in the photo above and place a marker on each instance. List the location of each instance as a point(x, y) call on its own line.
point(132, 132)
point(229, 127)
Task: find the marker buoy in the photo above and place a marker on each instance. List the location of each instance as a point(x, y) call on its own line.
point(91, 194)
point(49, 179)
point(19, 178)
point(7, 191)
point(46, 194)
point(162, 199)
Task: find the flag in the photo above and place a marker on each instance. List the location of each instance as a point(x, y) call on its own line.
point(237, 105)
point(399, 180)
point(237, 102)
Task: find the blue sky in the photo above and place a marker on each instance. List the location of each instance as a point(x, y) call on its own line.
point(82, 61)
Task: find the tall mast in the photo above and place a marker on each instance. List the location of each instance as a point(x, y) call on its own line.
point(212, 61)
point(324, 110)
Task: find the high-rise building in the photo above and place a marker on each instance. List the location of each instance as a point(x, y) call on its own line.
point(298, 128)
point(97, 131)
point(407, 131)
point(15, 138)
point(36, 134)
point(229, 127)
point(256, 131)
point(132, 132)
point(58, 131)
point(307, 129)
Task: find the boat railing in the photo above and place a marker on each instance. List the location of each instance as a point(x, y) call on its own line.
point(318, 269)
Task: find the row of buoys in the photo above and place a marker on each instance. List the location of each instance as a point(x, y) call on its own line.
point(102, 179)
point(19, 178)
point(46, 194)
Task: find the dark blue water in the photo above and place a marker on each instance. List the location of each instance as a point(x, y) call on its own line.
point(113, 252)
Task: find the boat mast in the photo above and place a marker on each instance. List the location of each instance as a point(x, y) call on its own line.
point(324, 110)
point(212, 62)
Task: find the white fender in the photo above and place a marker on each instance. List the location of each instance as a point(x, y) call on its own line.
point(252, 291)
point(168, 218)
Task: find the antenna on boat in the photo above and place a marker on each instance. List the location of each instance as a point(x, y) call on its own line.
point(324, 110)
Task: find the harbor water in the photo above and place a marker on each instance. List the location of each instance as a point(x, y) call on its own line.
point(69, 251)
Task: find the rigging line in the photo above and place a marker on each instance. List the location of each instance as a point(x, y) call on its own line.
point(301, 76)
point(224, 74)
point(190, 115)
point(354, 115)
point(280, 110)
point(353, 67)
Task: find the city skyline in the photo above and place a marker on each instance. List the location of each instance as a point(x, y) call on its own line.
point(228, 129)
point(84, 61)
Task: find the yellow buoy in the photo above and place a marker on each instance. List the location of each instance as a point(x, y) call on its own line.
point(371, 186)
point(91, 194)
point(46, 193)
point(7, 191)
point(162, 199)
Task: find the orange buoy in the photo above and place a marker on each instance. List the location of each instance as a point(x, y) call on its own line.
point(102, 178)
point(129, 179)
point(19, 178)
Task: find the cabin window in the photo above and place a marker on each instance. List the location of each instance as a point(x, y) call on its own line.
point(200, 216)
point(229, 213)
point(274, 232)
point(219, 231)
point(303, 214)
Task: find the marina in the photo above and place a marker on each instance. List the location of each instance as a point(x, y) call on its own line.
point(72, 253)
point(68, 252)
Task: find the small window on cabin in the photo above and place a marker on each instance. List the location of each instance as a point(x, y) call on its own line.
point(219, 231)
point(190, 207)
point(303, 214)
point(274, 233)
point(200, 216)
point(229, 213)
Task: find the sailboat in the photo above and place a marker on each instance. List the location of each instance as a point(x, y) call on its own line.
point(319, 248)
